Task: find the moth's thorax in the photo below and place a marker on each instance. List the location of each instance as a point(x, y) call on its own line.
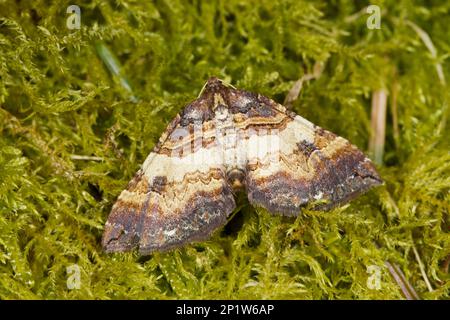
point(228, 139)
point(218, 101)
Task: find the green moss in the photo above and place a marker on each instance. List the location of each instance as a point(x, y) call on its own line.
point(58, 99)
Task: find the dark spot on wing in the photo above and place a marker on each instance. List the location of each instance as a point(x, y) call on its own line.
point(159, 184)
point(306, 147)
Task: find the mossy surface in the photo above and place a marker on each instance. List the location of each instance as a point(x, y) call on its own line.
point(58, 101)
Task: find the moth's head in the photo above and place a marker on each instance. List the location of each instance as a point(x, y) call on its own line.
point(214, 81)
point(213, 86)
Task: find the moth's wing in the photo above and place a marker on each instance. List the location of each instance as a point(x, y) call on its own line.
point(175, 198)
point(310, 166)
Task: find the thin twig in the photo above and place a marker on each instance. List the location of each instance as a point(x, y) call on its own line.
point(422, 269)
point(394, 106)
point(85, 158)
point(446, 264)
point(429, 44)
point(399, 277)
point(409, 286)
point(298, 85)
point(378, 124)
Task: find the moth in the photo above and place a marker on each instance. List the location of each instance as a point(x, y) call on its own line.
point(225, 141)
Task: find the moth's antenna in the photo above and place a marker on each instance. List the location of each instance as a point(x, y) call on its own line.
point(224, 83)
point(203, 89)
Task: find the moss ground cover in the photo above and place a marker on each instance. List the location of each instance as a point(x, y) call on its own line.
point(72, 135)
